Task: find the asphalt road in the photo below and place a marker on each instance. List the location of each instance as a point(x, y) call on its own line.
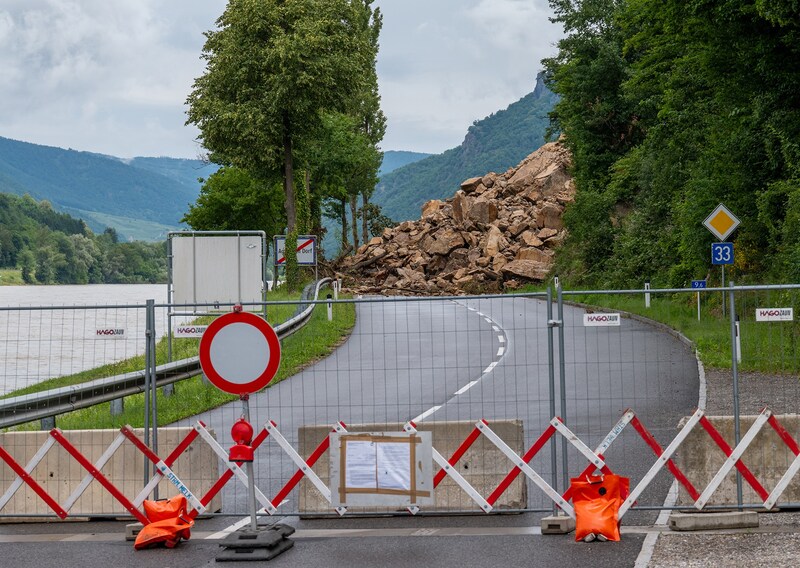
point(430, 361)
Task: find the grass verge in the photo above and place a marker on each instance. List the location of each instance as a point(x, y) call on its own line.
point(313, 342)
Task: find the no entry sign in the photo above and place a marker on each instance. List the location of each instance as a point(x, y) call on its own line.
point(240, 353)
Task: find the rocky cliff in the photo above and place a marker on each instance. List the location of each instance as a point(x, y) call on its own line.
point(498, 231)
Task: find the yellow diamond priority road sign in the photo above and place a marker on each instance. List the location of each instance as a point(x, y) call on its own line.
point(721, 222)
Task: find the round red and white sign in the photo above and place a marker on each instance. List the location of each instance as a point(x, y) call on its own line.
point(240, 353)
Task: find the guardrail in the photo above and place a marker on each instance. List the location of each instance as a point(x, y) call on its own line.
point(36, 406)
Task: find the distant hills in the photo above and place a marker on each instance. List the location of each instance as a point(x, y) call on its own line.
point(145, 198)
point(494, 144)
point(142, 199)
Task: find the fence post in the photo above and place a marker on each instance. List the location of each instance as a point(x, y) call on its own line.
point(735, 372)
point(552, 375)
point(150, 389)
point(563, 385)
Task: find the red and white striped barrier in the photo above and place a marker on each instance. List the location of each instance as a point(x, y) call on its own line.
point(519, 465)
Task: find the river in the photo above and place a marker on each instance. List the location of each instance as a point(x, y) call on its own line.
point(52, 331)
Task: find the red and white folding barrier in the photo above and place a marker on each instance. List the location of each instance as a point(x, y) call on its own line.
point(520, 465)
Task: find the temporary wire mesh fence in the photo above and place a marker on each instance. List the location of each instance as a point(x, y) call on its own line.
point(443, 364)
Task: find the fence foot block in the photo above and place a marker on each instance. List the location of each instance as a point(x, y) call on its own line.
point(260, 545)
point(132, 530)
point(713, 521)
point(558, 524)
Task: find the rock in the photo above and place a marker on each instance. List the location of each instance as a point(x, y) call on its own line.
point(443, 241)
point(546, 233)
point(529, 238)
point(550, 216)
point(471, 184)
point(497, 232)
point(483, 211)
point(498, 262)
point(527, 269)
point(531, 253)
point(495, 242)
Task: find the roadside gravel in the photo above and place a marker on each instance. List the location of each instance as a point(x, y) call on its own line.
point(776, 543)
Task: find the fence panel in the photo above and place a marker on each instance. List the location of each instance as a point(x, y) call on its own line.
point(488, 375)
point(615, 361)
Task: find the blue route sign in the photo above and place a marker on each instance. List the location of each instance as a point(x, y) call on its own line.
point(698, 283)
point(721, 253)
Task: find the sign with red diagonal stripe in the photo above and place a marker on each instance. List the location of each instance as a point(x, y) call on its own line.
point(306, 250)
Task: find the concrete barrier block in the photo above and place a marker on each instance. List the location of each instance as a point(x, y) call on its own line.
point(557, 524)
point(60, 474)
point(767, 457)
point(711, 521)
point(483, 466)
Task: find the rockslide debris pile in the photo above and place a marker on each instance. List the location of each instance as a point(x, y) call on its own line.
point(498, 231)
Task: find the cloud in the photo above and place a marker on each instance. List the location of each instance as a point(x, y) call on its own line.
point(89, 73)
point(444, 64)
point(113, 76)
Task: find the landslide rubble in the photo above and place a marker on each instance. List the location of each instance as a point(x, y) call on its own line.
point(498, 231)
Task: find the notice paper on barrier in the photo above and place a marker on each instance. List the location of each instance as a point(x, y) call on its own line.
point(381, 469)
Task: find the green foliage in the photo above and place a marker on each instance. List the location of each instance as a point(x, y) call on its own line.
point(232, 200)
point(671, 108)
point(290, 254)
point(53, 248)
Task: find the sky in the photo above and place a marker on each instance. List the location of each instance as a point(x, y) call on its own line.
point(112, 76)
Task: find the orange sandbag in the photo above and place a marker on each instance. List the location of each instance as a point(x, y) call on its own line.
point(164, 508)
point(597, 499)
point(169, 524)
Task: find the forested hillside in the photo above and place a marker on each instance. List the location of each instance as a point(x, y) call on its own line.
point(142, 199)
point(53, 248)
point(496, 143)
point(671, 107)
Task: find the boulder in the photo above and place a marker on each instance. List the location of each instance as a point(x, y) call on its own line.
point(471, 184)
point(550, 216)
point(483, 211)
point(495, 242)
point(497, 232)
point(527, 269)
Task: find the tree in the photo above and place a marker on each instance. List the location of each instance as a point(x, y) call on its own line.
point(231, 199)
point(272, 66)
point(372, 121)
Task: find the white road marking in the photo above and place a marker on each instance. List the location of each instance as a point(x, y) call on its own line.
point(425, 414)
point(466, 387)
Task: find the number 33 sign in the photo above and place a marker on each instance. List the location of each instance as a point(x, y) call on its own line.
point(722, 253)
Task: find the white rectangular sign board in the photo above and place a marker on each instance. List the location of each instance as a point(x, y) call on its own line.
point(208, 270)
point(190, 330)
point(601, 320)
point(391, 469)
point(774, 314)
point(109, 333)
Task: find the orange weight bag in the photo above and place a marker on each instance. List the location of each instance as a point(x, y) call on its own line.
point(597, 499)
point(169, 523)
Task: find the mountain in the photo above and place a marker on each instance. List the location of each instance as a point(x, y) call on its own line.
point(141, 199)
point(393, 159)
point(494, 144)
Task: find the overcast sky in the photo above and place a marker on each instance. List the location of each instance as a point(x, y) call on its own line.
point(112, 76)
